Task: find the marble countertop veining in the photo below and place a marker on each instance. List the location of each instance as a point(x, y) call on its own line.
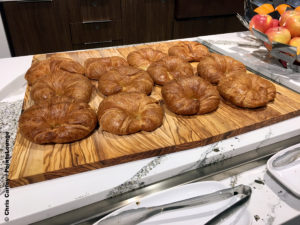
point(53, 197)
point(270, 203)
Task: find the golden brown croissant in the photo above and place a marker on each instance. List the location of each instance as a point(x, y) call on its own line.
point(96, 67)
point(169, 68)
point(50, 65)
point(60, 87)
point(192, 95)
point(57, 123)
point(246, 89)
point(190, 51)
point(142, 58)
point(215, 66)
point(127, 113)
point(125, 79)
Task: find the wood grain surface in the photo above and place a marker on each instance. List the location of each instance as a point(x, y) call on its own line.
point(34, 163)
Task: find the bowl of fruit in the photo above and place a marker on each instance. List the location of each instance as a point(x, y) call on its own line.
point(277, 24)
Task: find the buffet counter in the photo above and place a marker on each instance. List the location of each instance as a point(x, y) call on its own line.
point(35, 202)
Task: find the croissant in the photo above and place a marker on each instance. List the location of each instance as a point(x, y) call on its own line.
point(125, 79)
point(60, 87)
point(215, 66)
point(190, 51)
point(246, 90)
point(142, 58)
point(57, 123)
point(96, 67)
point(127, 113)
point(169, 68)
point(41, 68)
point(192, 95)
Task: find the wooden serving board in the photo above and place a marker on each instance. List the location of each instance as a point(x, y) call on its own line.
point(32, 163)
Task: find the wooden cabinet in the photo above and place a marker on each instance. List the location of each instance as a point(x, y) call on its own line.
point(95, 23)
point(204, 17)
point(206, 26)
point(37, 27)
point(201, 8)
point(59, 25)
point(96, 32)
point(147, 20)
point(93, 10)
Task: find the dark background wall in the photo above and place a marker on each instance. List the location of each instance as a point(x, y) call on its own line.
point(61, 25)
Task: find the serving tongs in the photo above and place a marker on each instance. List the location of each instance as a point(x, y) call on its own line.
point(135, 216)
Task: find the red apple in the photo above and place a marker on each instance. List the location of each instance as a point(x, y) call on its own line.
point(275, 23)
point(293, 24)
point(260, 22)
point(278, 34)
point(295, 42)
point(286, 15)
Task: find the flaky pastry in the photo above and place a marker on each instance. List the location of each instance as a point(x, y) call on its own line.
point(215, 66)
point(125, 79)
point(143, 57)
point(190, 51)
point(60, 87)
point(246, 90)
point(57, 123)
point(96, 67)
point(127, 113)
point(169, 68)
point(41, 68)
point(192, 95)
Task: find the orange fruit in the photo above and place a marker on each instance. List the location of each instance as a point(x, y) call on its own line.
point(297, 9)
point(281, 8)
point(264, 9)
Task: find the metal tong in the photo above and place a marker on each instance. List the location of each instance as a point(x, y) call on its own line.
point(135, 216)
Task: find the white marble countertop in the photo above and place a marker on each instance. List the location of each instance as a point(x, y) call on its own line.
point(270, 203)
point(34, 202)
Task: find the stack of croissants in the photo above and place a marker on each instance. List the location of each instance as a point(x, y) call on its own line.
point(61, 89)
